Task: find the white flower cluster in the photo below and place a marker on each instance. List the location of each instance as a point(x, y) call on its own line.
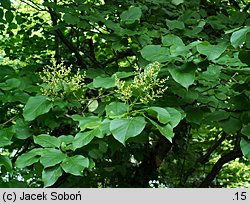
point(58, 82)
point(145, 87)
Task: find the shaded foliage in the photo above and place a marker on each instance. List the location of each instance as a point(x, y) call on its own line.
point(118, 93)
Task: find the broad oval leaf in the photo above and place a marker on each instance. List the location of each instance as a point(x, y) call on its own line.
point(84, 138)
point(90, 122)
point(36, 106)
point(230, 125)
point(28, 158)
point(22, 130)
point(50, 175)
point(155, 53)
point(47, 140)
point(162, 114)
point(166, 130)
point(116, 109)
point(239, 37)
point(6, 162)
point(104, 82)
point(51, 157)
point(171, 39)
point(123, 129)
point(6, 135)
point(245, 147)
point(211, 51)
point(184, 75)
point(67, 139)
point(10, 84)
point(75, 165)
point(246, 130)
point(175, 24)
point(175, 116)
point(131, 15)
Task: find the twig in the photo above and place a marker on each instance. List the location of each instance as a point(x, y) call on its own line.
point(11, 119)
point(33, 5)
point(120, 55)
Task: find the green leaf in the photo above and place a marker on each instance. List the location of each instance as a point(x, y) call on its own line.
point(36, 106)
point(22, 130)
point(104, 128)
point(51, 157)
point(175, 24)
point(239, 37)
point(123, 129)
point(75, 165)
point(131, 15)
point(71, 19)
point(194, 115)
point(5, 161)
point(162, 114)
point(166, 130)
point(116, 109)
point(217, 115)
point(211, 51)
point(6, 4)
point(246, 130)
point(9, 16)
point(47, 141)
point(90, 122)
point(175, 116)
point(122, 75)
point(6, 135)
point(184, 75)
point(50, 175)
point(245, 147)
point(231, 125)
point(28, 158)
point(244, 56)
point(104, 82)
point(177, 2)
point(10, 84)
point(92, 105)
point(171, 39)
point(67, 139)
point(155, 53)
point(84, 138)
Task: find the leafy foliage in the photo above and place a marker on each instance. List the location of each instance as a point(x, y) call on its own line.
point(118, 93)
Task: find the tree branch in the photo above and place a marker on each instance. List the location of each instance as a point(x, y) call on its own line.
point(126, 53)
point(33, 5)
point(68, 44)
point(205, 158)
point(230, 156)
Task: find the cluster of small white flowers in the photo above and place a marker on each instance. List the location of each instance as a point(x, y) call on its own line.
point(58, 82)
point(145, 86)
